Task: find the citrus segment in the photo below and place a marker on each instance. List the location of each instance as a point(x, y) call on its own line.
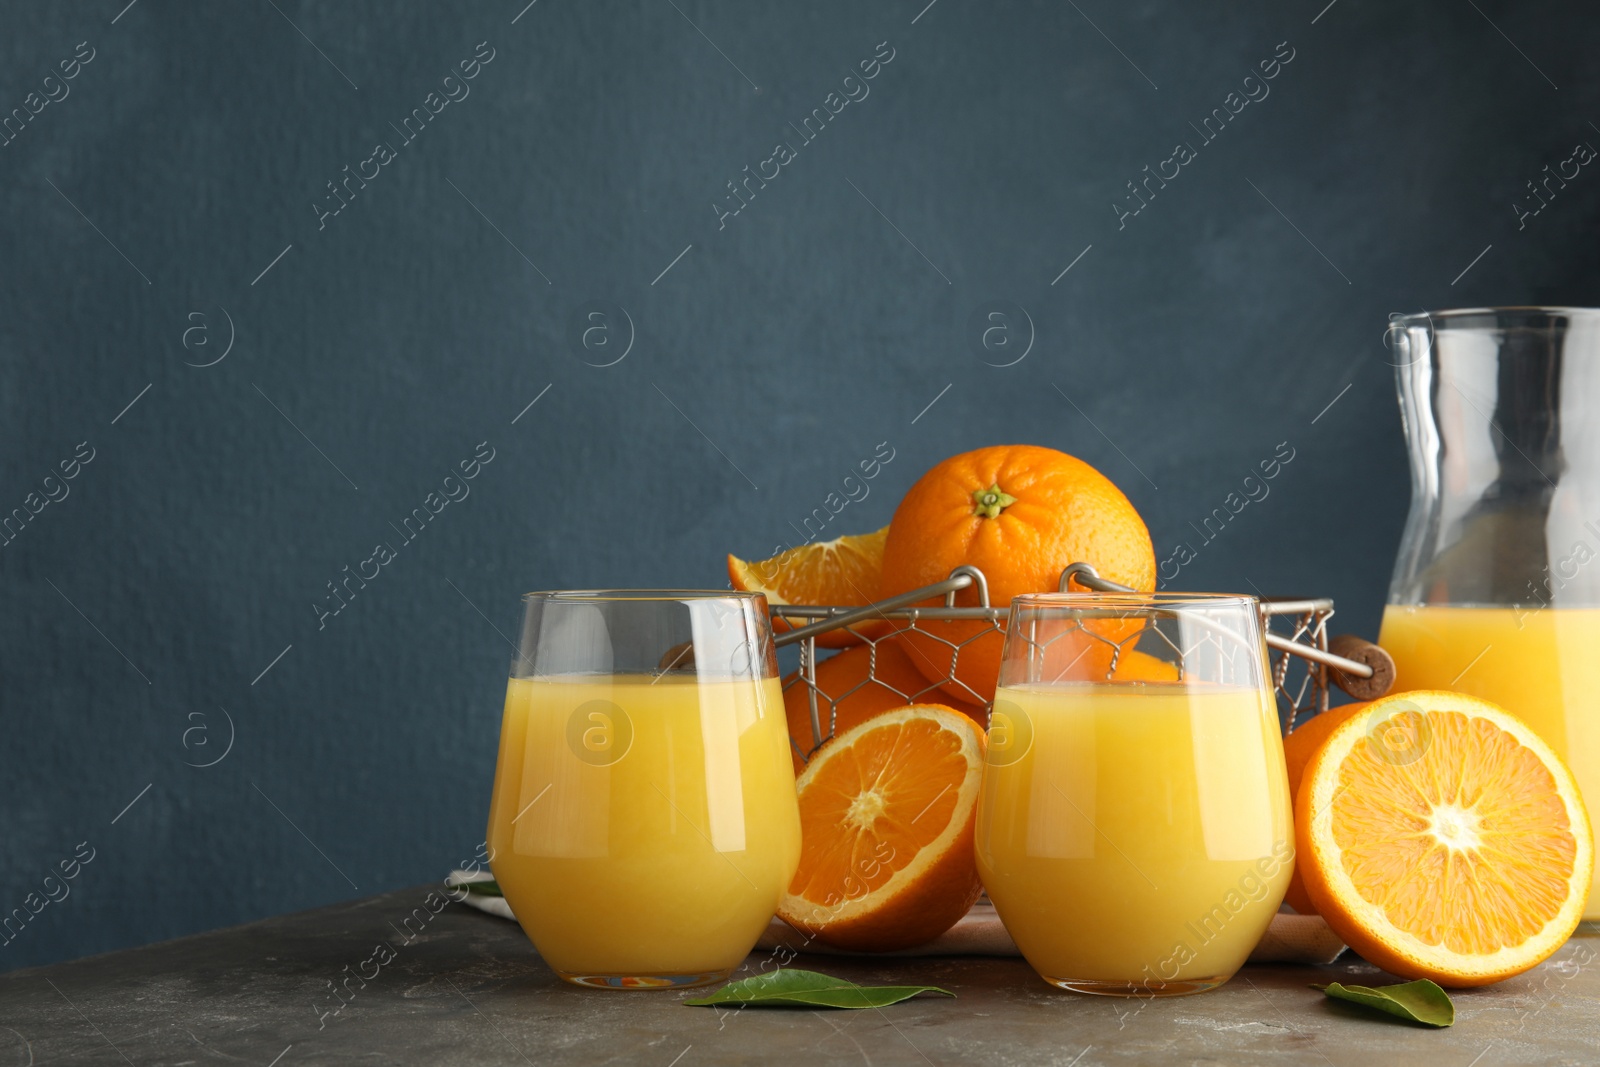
point(886, 823)
point(853, 686)
point(1441, 838)
point(844, 572)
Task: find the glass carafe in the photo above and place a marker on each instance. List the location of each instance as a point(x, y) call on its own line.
point(1496, 591)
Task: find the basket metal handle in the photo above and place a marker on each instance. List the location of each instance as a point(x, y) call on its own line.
point(1085, 574)
point(960, 578)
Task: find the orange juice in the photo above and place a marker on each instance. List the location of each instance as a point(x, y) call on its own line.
point(1540, 664)
point(1135, 833)
point(643, 827)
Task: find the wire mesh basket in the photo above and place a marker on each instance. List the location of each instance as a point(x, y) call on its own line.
point(1302, 662)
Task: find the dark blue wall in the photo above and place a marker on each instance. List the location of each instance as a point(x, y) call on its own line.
point(781, 348)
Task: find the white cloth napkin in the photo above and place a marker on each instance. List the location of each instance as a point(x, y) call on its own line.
point(1290, 938)
point(494, 905)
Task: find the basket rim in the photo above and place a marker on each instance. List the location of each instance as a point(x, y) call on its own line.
point(817, 612)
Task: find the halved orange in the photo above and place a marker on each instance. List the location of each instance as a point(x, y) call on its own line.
point(844, 572)
point(1441, 838)
point(886, 820)
point(855, 685)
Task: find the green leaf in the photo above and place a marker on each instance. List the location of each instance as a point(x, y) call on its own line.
point(808, 988)
point(1420, 1001)
point(489, 888)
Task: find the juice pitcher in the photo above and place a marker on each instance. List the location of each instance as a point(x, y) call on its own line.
point(1496, 591)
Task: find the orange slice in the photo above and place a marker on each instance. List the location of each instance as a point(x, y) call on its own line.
point(844, 572)
point(854, 686)
point(1441, 838)
point(886, 815)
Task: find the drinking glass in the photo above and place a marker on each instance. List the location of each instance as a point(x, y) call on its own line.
point(643, 826)
point(1495, 589)
point(1134, 823)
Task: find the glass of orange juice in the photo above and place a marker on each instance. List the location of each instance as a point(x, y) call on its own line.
point(1133, 829)
point(643, 825)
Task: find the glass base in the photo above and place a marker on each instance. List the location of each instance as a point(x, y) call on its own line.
point(645, 981)
point(1101, 987)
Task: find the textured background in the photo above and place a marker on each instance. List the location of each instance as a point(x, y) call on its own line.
point(842, 308)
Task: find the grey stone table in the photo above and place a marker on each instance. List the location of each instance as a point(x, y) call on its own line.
point(463, 988)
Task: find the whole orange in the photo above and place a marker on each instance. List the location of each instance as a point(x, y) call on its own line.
point(1298, 747)
point(852, 687)
point(1020, 514)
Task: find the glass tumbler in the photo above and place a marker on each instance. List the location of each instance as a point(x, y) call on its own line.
point(643, 825)
point(1496, 588)
point(1133, 829)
